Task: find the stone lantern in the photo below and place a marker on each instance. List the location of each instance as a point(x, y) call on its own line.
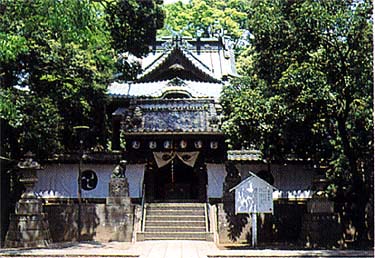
point(321, 226)
point(28, 225)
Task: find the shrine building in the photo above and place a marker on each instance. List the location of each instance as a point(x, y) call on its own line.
point(166, 124)
point(170, 118)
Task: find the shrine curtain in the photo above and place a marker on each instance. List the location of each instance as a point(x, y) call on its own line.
point(61, 180)
point(164, 158)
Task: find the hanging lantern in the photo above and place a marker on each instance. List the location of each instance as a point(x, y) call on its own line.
point(214, 145)
point(183, 144)
point(152, 145)
point(198, 144)
point(136, 145)
point(167, 144)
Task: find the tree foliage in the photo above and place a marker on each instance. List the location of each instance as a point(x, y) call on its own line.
point(133, 25)
point(206, 17)
point(62, 55)
point(307, 92)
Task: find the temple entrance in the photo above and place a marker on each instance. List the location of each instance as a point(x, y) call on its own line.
point(176, 181)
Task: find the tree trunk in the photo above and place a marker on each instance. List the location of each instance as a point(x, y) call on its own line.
point(357, 196)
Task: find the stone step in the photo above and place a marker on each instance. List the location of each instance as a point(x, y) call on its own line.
point(176, 223)
point(200, 208)
point(178, 205)
point(174, 218)
point(186, 212)
point(179, 221)
point(175, 236)
point(188, 229)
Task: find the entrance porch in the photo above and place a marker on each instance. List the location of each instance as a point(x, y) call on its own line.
point(176, 181)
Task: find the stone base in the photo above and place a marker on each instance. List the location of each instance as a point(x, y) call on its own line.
point(320, 205)
point(29, 226)
point(122, 232)
point(322, 230)
point(118, 201)
point(119, 221)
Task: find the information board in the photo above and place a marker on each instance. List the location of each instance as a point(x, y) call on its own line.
point(253, 195)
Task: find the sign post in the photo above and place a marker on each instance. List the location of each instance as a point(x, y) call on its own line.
point(254, 226)
point(252, 196)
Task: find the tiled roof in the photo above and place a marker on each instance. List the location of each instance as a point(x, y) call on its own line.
point(211, 56)
point(256, 155)
point(244, 155)
point(157, 89)
point(177, 115)
point(167, 61)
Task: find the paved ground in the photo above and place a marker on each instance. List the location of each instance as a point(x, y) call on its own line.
point(168, 249)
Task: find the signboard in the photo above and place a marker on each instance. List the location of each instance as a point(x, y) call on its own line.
point(253, 195)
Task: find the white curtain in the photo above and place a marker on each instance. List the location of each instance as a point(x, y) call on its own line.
point(61, 180)
point(188, 158)
point(135, 175)
point(164, 158)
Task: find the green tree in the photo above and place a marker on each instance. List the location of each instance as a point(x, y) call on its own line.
point(206, 17)
point(307, 92)
point(62, 55)
point(133, 25)
point(64, 62)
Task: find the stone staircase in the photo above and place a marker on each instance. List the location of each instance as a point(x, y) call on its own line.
point(177, 221)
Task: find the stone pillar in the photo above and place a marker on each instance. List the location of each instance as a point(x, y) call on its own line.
point(28, 225)
point(119, 210)
point(320, 226)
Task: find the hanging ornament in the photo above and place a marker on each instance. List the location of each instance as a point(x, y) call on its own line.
point(183, 144)
point(214, 145)
point(152, 145)
point(198, 144)
point(167, 144)
point(136, 145)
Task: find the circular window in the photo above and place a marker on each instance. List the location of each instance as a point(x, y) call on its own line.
point(89, 180)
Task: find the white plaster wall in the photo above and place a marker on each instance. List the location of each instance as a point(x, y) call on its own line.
point(216, 175)
point(292, 180)
point(60, 180)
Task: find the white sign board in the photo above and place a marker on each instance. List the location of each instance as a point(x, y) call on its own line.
point(253, 195)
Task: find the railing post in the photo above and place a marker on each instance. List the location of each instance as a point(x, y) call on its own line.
point(143, 209)
point(207, 220)
point(207, 211)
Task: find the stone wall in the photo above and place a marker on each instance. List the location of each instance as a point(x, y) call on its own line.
point(63, 222)
point(284, 226)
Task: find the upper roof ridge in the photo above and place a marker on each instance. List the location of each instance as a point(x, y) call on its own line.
point(178, 49)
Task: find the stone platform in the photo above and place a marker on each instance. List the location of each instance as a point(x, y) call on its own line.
point(169, 248)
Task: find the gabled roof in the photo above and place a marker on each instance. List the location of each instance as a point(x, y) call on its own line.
point(177, 62)
point(254, 178)
point(212, 56)
point(158, 89)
